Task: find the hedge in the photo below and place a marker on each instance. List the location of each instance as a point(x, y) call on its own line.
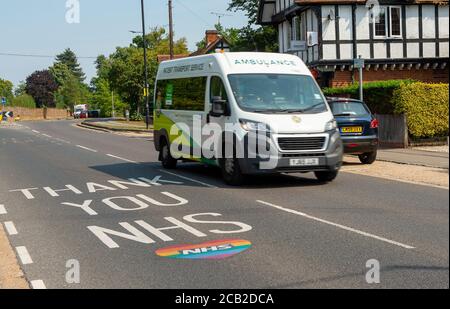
point(426, 106)
point(24, 100)
point(377, 95)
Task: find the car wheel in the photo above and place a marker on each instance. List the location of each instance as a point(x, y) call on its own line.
point(326, 176)
point(231, 172)
point(167, 160)
point(368, 158)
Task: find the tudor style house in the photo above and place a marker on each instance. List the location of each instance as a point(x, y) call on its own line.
point(397, 39)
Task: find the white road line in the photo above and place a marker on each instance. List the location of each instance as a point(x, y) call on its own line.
point(86, 148)
point(24, 256)
point(38, 285)
point(37, 132)
point(337, 225)
point(46, 135)
point(10, 228)
point(123, 159)
point(190, 179)
point(3, 210)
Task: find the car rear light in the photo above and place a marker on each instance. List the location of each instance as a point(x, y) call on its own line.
point(374, 124)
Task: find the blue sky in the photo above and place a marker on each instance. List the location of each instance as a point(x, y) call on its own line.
point(40, 27)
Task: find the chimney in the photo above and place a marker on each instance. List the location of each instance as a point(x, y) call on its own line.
point(211, 36)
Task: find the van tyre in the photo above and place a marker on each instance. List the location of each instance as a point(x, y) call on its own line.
point(167, 160)
point(368, 158)
point(326, 176)
point(231, 172)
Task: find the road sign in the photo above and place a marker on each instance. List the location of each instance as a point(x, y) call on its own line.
point(297, 46)
point(359, 63)
point(3, 101)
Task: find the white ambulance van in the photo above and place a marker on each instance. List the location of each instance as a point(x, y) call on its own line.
point(246, 113)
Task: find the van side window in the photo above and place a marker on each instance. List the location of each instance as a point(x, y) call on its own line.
point(181, 94)
point(217, 89)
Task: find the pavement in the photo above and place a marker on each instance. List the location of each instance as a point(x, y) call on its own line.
point(76, 201)
point(413, 156)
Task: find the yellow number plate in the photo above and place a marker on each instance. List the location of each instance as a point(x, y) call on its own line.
point(352, 130)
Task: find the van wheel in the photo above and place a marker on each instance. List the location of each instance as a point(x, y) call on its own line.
point(167, 160)
point(231, 172)
point(326, 176)
point(368, 158)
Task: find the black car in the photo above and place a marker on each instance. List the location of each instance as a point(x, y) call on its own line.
point(358, 128)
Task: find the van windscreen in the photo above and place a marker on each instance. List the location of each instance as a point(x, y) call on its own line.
point(277, 93)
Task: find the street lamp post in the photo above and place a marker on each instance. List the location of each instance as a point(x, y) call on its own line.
point(147, 105)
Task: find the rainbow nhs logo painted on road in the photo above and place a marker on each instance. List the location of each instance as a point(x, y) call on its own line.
point(217, 249)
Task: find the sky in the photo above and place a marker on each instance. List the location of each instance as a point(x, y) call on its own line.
point(40, 28)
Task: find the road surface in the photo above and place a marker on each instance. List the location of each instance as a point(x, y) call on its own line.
point(303, 234)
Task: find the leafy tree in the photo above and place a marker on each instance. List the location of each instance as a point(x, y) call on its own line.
point(158, 42)
point(20, 89)
point(251, 37)
point(6, 89)
point(69, 59)
point(103, 97)
point(250, 7)
point(42, 86)
point(124, 69)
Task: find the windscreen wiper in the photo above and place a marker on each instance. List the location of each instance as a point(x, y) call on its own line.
point(342, 115)
point(309, 108)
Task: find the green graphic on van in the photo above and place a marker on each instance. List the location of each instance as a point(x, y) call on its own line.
point(169, 94)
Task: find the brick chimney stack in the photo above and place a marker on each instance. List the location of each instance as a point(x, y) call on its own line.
point(211, 36)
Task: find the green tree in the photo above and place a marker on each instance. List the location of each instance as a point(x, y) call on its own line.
point(20, 89)
point(124, 69)
point(6, 90)
point(251, 37)
point(250, 7)
point(69, 59)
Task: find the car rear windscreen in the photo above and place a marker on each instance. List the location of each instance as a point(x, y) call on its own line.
point(344, 108)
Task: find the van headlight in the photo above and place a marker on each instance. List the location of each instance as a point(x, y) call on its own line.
point(331, 125)
point(253, 126)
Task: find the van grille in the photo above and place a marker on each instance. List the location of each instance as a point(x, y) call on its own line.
point(301, 143)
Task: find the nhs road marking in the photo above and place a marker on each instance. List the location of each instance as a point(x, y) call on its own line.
point(35, 131)
point(38, 285)
point(10, 228)
point(123, 159)
point(86, 148)
point(92, 187)
point(337, 225)
point(141, 230)
point(26, 192)
point(3, 210)
point(46, 135)
point(24, 256)
point(190, 179)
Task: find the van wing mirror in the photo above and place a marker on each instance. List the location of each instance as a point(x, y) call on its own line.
point(219, 107)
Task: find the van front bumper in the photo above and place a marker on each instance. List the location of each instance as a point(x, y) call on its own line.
point(329, 160)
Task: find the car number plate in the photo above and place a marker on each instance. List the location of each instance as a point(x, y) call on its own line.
point(305, 162)
point(352, 130)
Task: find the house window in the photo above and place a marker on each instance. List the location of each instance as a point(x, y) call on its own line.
point(298, 29)
point(388, 22)
point(380, 23)
point(396, 22)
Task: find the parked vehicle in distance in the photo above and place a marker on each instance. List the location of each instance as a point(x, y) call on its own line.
point(94, 114)
point(358, 128)
point(80, 111)
point(244, 94)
